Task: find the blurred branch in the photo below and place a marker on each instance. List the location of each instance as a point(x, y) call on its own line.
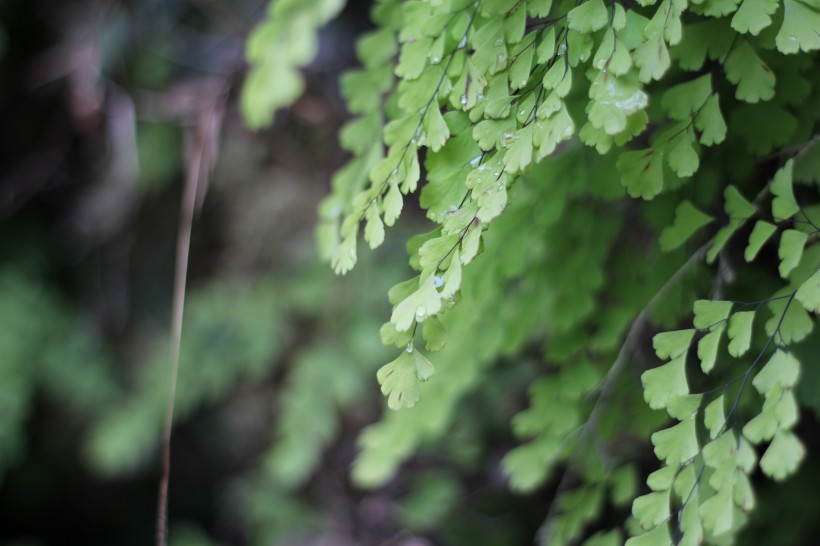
point(202, 142)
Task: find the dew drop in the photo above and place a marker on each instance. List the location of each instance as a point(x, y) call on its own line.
point(522, 112)
point(410, 347)
point(436, 59)
point(463, 100)
point(438, 281)
point(523, 83)
point(463, 42)
point(421, 312)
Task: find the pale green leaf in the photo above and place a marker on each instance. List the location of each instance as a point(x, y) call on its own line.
point(558, 78)
point(652, 58)
point(612, 56)
point(435, 129)
point(709, 121)
point(676, 444)
point(470, 245)
point(746, 456)
point(740, 332)
point(546, 47)
point(742, 493)
point(659, 536)
point(435, 250)
point(714, 416)
point(717, 8)
point(783, 456)
point(799, 30)
point(390, 336)
point(784, 205)
point(688, 220)
point(753, 78)
point(588, 17)
point(400, 378)
point(754, 15)
point(377, 48)
point(413, 58)
point(452, 277)
point(520, 70)
point(519, 152)
point(419, 305)
point(738, 209)
point(762, 426)
point(614, 100)
point(681, 153)
point(344, 255)
point(691, 525)
point(717, 512)
point(434, 333)
point(651, 509)
point(374, 228)
point(792, 322)
point(708, 348)
point(685, 99)
point(809, 293)
point(661, 479)
point(685, 482)
point(684, 406)
point(392, 204)
point(782, 370)
point(717, 452)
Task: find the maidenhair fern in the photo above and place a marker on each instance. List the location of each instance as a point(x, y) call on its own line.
point(525, 127)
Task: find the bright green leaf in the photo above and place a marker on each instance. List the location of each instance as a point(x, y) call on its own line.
point(761, 233)
point(790, 250)
point(709, 313)
point(672, 344)
point(662, 383)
